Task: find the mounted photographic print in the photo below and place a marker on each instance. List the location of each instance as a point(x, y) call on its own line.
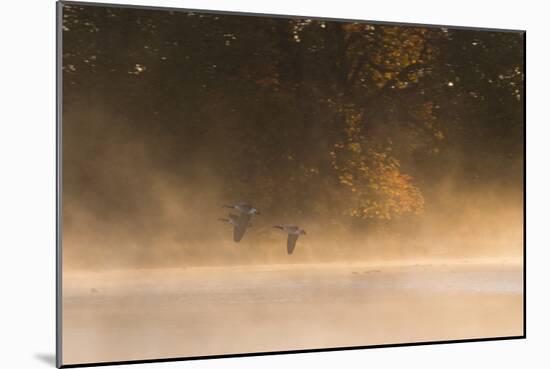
point(236, 184)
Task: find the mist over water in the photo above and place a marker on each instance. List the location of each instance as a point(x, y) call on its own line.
point(123, 210)
point(167, 313)
point(174, 222)
point(168, 281)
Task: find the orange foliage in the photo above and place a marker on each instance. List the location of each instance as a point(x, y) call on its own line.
point(372, 180)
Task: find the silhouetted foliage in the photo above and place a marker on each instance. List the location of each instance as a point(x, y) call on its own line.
point(299, 115)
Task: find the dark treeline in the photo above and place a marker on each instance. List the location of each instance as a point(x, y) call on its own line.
point(302, 117)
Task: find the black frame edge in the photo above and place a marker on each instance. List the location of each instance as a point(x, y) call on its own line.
point(524, 184)
point(58, 185)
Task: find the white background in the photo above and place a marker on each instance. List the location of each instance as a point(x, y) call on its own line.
point(27, 183)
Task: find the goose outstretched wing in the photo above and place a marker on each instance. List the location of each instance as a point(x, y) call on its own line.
point(240, 228)
point(291, 243)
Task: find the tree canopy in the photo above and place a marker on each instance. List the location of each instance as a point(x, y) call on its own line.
point(304, 116)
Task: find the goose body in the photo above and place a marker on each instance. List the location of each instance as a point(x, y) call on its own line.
point(293, 233)
point(241, 222)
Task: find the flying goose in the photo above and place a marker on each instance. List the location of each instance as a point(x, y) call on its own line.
point(246, 213)
point(293, 233)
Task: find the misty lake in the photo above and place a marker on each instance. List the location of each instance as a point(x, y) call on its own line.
point(167, 313)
